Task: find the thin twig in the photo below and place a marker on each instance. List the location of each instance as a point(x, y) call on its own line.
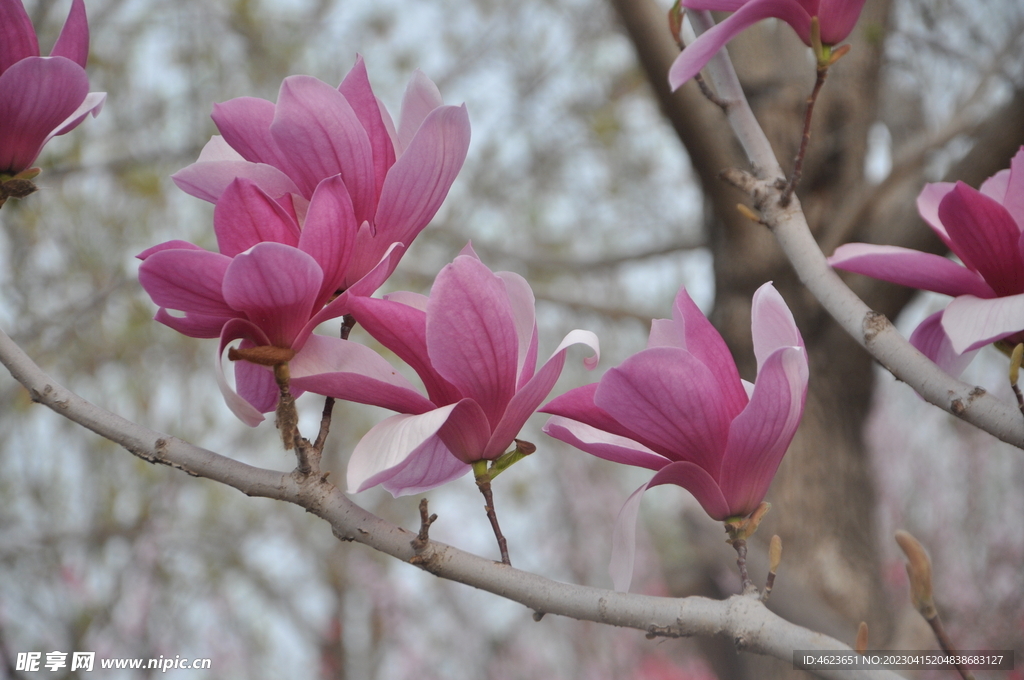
point(483, 482)
point(741, 562)
point(419, 544)
point(947, 645)
point(347, 322)
point(805, 140)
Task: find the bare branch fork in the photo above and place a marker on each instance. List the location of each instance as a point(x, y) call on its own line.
point(744, 619)
point(872, 330)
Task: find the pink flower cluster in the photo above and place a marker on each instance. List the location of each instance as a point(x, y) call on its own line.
point(40, 97)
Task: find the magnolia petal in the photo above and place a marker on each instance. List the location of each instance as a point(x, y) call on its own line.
point(771, 324)
point(73, 41)
point(971, 322)
point(420, 179)
point(698, 482)
point(245, 215)
point(356, 89)
point(759, 437)
point(932, 341)
point(92, 105)
point(530, 396)
point(193, 325)
point(187, 280)
point(169, 245)
point(672, 398)
point(1013, 200)
point(17, 36)
point(699, 53)
point(928, 207)
point(667, 333)
point(910, 268)
point(256, 384)
point(316, 126)
point(347, 370)
point(624, 542)
point(520, 295)
point(207, 180)
point(403, 330)
point(275, 286)
point(603, 444)
point(837, 19)
point(234, 330)
point(471, 335)
point(466, 432)
point(38, 94)
point(388, 446)
point(329, 234)
point(421, 97)
point(245, 124)
point(986, 233)
point(578, 404)
point(707, 346)
point(430, 467)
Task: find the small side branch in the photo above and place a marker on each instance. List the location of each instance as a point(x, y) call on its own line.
point(483, 482)
point(419, 544)
point(805, 140)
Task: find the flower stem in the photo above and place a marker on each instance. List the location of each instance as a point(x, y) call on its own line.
point(483, 482)
point(798, 165)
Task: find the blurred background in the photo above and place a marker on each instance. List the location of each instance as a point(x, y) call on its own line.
point(586, 176)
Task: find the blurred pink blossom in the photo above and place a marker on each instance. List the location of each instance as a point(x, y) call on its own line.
point(680, 408)
point(836, 18)
point(40, 97)
point(985, 229)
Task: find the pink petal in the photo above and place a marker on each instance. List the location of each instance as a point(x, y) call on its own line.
point(388, 446)
point(36, 95)
point(932, 341)
point(928, 207)
point(17, 36)
point(471, 336)
point(772, 324)
point(256, 384)
point(697, 55)
point(92, 105)
point(578, 404)
point(193, 325)
point(987, 235)
point(356, 89)
point(698, 482)
point(403, 330)
point(208, 179)
point(430, 467)
point(520, 295)
point(419, 180)
point(715, 5)
point(837, 19)
point(234, 330)
point(466, 432)
point(275, 286)
point(603, 444)
point(910, 268)
point(759, 437)
point(624, 542)
point(530, 396)
point(971, 323)
point(1014, 198)
point(707, 345)
point(674, 399)
point(187, 280)
point(347, 370)
point(667, 333)
point(169, 245)
point(316, 126)
point(245, 124)
point(329, 234)
point(73, 41)
point(245, 216)
point(420, 99)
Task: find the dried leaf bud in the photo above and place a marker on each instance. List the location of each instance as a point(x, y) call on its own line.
point(919, 569)
point(774, 553)
point(267, 355)
point(861, 645)
point(1015, 359)
point(675, 21)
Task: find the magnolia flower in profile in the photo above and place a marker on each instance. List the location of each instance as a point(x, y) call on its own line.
point(985, 230)
point(680, 408)
point(473, 342)
point(835, 19)
point(397, 177)
point(40, 97)
point(269, 286)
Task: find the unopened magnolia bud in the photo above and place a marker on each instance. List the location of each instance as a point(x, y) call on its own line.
point(861, 645)
point(919, 570)
point(1015, 359)
point(774, 553)
point(675, 21)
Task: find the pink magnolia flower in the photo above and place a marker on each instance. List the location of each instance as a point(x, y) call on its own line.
point(40, 97)
point(836, 18)
point(397, 177)
point(985, 229)
point(473, 342)
point(680, 408)
point(270, 285)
